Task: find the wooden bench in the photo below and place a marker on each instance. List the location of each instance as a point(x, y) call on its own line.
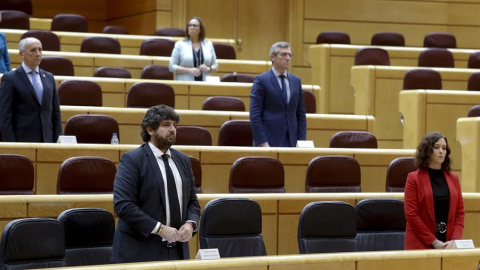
point(468, 134)
point(376, 93)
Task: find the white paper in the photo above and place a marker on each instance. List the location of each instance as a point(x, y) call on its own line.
point(67, 139)
point(213, 79)
point(305, 144)
point(463, 244)
point(208, 254)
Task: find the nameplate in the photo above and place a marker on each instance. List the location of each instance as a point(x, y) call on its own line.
point(208, 254)
point(463, 244)
point(305, 144)
point(67, 139)
point(212, 79)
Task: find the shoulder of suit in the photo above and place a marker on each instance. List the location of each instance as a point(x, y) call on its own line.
point(46, 73)
point(178, 153)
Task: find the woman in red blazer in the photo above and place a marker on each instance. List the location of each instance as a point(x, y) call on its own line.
point(433, 199)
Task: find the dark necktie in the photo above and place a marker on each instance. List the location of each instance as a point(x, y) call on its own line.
point(175, 218)
point(36, 86)
point(284, 90)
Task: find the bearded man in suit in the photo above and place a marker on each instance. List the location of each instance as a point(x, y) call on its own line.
point(29, 106)
point(154, 195)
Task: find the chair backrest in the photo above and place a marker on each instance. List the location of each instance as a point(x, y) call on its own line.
point(440, 40)
point(146, 95)
point(193, 135)
point(197, 173)
point(474, 60)
point(224, 51)
point(380, 224)
point(157, 47)
point(397, 172)
point(234, 226)
point(257, 175)
point(235, 133)
point(388, 39)
point(310, 102)
point(49, 40)
point(223, 103)
point(115, 29)
point(422, 79)
point(69, 22)
point(353, 139)
point(80, 93)
point(436, 57)
point(170, 32)
point(372, 56)
point(333, 37)
point(86, 175)
point(20, 5)
point(156, 72)
point(88, 236)
point(100, 45)
point(17, 175)
point(92, 128)
point(238, 77)
point(327, 227)
point(474, 111)
point(14, 19)
point(31, 243)
point(112, 72)
point(58, 65)
point(333, 174)
point(474, 82)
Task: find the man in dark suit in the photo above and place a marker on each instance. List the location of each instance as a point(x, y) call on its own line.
point(277, 106)
point(29, 107)
point(153, 225)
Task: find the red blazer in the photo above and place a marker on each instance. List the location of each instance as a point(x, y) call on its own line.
point(420, 213)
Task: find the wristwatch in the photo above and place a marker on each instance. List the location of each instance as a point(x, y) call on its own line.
point(159, 229)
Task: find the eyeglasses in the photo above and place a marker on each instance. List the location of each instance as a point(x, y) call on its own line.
point(193, 25)
point(285, 54)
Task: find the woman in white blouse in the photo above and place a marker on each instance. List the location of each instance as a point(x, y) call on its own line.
point(193, 58)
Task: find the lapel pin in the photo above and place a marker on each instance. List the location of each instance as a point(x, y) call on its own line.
point(43, 75)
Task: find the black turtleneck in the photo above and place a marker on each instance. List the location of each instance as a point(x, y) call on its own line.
point(441, 198)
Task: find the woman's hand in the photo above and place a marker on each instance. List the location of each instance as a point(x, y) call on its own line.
point(195, 72)
point(205, 68)
point(437, 244)
point(449, 244)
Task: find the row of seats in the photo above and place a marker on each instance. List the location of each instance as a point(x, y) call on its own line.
point(432, 57)
point(433, 39)
point(91, 174)
point(96, 44)
point(81, 236)
point(15, 19)
point(234, 226)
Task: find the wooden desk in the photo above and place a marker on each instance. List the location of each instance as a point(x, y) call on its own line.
point(427, 111)
point(71, 41)
point(85, 64)
point(216, 162)
point(280, 215)
point(320, 127)
point(188, 95)
point(331, 65)
point(376, 93)
point(468, 134)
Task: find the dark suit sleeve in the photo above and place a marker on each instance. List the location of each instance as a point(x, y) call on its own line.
point(6, 109)
point(56, 114)
point(301, 111)
point(257, 99)
point(126, 195)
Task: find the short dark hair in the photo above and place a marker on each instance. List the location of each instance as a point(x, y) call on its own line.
point(154, 116)
point(201, 37)
point(425, 149)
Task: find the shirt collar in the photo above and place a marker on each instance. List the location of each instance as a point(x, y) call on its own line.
point(157, 152)
point(28, 69)
point(278, 73)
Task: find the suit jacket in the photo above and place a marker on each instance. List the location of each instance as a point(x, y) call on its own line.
point(269, 117)
point(182, 55)
point(420, 212)
point(22, 117)
point(139, 201)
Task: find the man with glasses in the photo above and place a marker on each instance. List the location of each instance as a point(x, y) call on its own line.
point(154, 195)
point(277, 106)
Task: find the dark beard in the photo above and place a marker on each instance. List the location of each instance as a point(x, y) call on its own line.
point(163, 143)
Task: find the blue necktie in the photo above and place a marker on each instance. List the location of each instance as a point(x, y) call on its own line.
point(175, 218)
point(38, 88)
point(284, 90)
